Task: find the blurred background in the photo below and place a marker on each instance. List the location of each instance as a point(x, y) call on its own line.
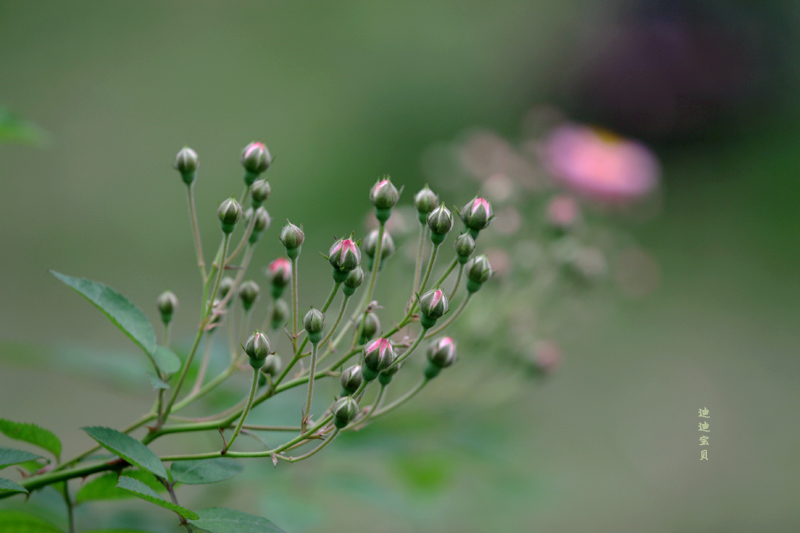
point(98, 97)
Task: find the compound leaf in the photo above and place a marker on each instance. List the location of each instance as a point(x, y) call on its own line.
point(10, 456)
point(32, 434)
point(221, 520)
point(128, 448)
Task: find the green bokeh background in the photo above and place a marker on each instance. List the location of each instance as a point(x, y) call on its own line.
point(343, 92)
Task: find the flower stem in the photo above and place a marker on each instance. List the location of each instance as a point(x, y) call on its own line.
point(245, 412)
point(314, 451)
point(418, 266)
point(434, 252)
point(294, 304)
point(410, 350)
point(311, 377)
point(403, 399)
point(198, 245)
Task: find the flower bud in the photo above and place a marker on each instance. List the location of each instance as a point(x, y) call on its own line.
point(292, 238)
point(229, 213)
point(371, 244)
point(344, 256)
point(478, 272)
point(279, 273)
point(477, 215)
point(259, 192)
point(385, 377)
point(344, 410)
point(225, 286)
point(370, 325)
point(257, 348)
point(353, 281)
point(442, 352)
point(465, 246)
point(433, 305)
point(186, 164)
point(378, 356)
point(440, 221)
point(272, 365)
point(248, 292)
point(314, 322)
point(279, 314)
point(255, 160)
point(383, 196)
point(351, 379)
point(425, 201)
point(262, 222)
point(167, 303)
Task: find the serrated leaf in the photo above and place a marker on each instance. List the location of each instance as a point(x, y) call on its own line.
point(204, 470)
point(221, 520)
point(104, 487)
point(166, 360)
point(19, 522)
point(122, 313)
point(156, 382)
point(144, 492)
point(128, 448)
point(7, 484)
point(10, 456)
point(33, 434)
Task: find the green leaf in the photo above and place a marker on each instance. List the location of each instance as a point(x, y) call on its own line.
point(156, 382)
point(15, 129)
point(128, 448)
point(116, 531)
point(117, 308)
point(204, 470)
point(33, 434)
point(144, 492)
point(221, 520)
point(166, 360)
point(10, 456)
point(19, 522)
point(104, 487)
point(7, 484)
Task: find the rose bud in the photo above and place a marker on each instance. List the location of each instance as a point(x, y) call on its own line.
point(292, 238)
point(257, 347)
point(248, 292)
point(440, 222)
point(279, 314)
point(477, 215)
point(378, 356)
point(186, 163)
point(442, 352)
point(255, 160)
point(314, 322)
point(279, 273)
point(353, 281)
point(229, 213)
point(344, 410)
point(343, 256)
point(272, 365)
point(167, 303)
point(478, 272)
point(425, 201)
point(433, 305)
point(259, 192)
point(351, 379)
point(370, 326)
point(465, 246)
point(383, 196)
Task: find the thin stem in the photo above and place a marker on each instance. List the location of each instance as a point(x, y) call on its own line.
point(410, 350)
point(225, 240)
point(373, 277)
point(338, 319)
point(201, 374)
point(418, 266)
point(325, 306)
point(311, 377)
point(294, 304)
point(205, 389)
point(245, 240)
point(324, 443)
point(70, 510)
point(375, 404)
point(403, 399)
point(458, 281)
point(434, 252)
point(253, 427)
point(198, 245)
point(253, 387)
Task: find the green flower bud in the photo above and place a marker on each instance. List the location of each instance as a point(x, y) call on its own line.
point(263, 219)
point(477, 215)
point(292, 238)
point(440, 222)
point(478, 272)
point(344, 256)
point(433, 305)
point(259, 192)
point(425, 201)
point(351, 379)
point(383, 196)
point(442, 352)
point(279, 273)
point(370, 326)
point(371, 244)
point(279, 314)
point(353, 281)
point(167, 303)
point(465, 246)
point(314, 322)
point(431, 370)
point(255, 160)
point(248, 292)
point(272, 365)
point(257, 347)
point(344, 410)
point(186, 164)
point(385, 377)
point(229, 213)
point(378, 356)
point(225, 286)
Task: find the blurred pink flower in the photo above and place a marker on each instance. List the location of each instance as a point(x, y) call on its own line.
point(598, 164)
point(563, 211)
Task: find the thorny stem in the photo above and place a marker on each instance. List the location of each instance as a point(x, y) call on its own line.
point(198, 246)
point(70, 510)
point(325, 442)
point(253, 387)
